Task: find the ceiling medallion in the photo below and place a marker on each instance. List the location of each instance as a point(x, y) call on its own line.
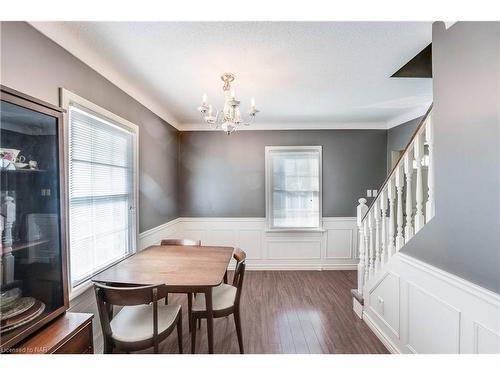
point(230, 118)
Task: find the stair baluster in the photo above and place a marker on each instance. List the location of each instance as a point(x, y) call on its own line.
point(399, 207)
point(367, 249)
point(391, 194)
point(371, 237)
point(383, 229)
point(376, 214)
point(408, 168)
point(429, 139)
point(419, 191)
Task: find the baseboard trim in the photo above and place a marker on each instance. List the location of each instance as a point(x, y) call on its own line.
point(300, 267)
point(386, 341)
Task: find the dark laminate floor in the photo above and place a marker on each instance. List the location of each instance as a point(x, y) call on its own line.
point(282, 312)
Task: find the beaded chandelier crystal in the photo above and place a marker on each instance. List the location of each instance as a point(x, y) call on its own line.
point(229, 118)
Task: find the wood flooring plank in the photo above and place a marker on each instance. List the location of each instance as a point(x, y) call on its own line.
point(281, 311)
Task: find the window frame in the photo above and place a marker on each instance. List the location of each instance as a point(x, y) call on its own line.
point(68, 98)
point(269, 184)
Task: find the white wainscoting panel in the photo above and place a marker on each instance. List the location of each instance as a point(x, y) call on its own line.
point(485, 340)
point(385, 301)
point(333, 248)
point(433, 325)
point(293, 248)
point(339, 244)
point(438, 312)
point(251, 241)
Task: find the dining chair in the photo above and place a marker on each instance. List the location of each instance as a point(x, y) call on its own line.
point(141, 323)
point(225, 301)
point(184, 242)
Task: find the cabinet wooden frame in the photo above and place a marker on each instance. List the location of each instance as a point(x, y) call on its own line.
point(26, 101)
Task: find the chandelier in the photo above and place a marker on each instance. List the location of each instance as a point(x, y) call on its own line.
point(230, 118)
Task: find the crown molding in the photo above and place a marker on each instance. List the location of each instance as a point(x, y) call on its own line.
point(57, 32)
point(71, 43)
point(407, 116)
point(293, 126)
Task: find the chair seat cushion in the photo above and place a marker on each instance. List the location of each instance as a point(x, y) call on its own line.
point(135, 323)
point(222, 297)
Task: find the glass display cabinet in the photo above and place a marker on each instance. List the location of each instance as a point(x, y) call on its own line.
point(33, 276)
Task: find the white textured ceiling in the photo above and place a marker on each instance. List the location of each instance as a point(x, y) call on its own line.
point(302, 74)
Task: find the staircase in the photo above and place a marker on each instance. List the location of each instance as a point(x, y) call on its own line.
point(412, 306)
point(404, 204)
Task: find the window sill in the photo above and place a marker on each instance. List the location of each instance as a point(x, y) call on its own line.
point(295, 230)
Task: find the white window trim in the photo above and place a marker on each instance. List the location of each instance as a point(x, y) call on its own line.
point(268, 177)
point(67, 98)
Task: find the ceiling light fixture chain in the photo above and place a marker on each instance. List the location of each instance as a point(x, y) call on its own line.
point(230, 118)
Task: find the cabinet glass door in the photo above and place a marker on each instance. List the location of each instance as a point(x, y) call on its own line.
point(31, 272)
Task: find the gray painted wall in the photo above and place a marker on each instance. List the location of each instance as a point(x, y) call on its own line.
point(398, 137)
point(33, 64)
point(463, 238)
point(223, 176)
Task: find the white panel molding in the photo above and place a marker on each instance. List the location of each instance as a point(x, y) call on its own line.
point(394, 330)
point(252, 244)
point(439, 312)
point(485, 340)
point(431, 319)
point(293, 248)
point(278, 250)
point(333, 244)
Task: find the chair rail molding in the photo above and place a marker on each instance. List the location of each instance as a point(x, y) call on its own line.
point(333, 248)
point(154, 235)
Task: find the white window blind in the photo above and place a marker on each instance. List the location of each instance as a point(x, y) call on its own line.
point(293, 187)
point(101, 193)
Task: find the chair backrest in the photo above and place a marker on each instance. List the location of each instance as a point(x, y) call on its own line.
point(179, 242)
point(108, 296)
point(239, 272)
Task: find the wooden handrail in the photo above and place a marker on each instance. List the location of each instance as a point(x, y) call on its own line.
point(417, 130)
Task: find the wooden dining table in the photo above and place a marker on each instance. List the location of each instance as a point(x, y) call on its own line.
point(183, 269)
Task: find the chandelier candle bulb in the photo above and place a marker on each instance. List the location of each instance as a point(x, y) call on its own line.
point(253, 103)
point(204, 100)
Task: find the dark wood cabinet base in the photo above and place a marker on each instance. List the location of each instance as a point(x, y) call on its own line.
point(71, 333)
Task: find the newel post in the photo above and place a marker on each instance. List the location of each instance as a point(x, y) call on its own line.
point(360, 213)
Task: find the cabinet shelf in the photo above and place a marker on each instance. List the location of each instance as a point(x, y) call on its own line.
point(21, 245)
point(21, 171)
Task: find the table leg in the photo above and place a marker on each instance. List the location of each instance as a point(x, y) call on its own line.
point(210, 320)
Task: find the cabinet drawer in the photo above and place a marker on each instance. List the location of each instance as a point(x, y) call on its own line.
point(80, 343)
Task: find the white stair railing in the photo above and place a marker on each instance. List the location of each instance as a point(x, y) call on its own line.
point(402, 207)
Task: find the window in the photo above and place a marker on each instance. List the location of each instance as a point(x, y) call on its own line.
point(102, 165)
point(293, 187)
